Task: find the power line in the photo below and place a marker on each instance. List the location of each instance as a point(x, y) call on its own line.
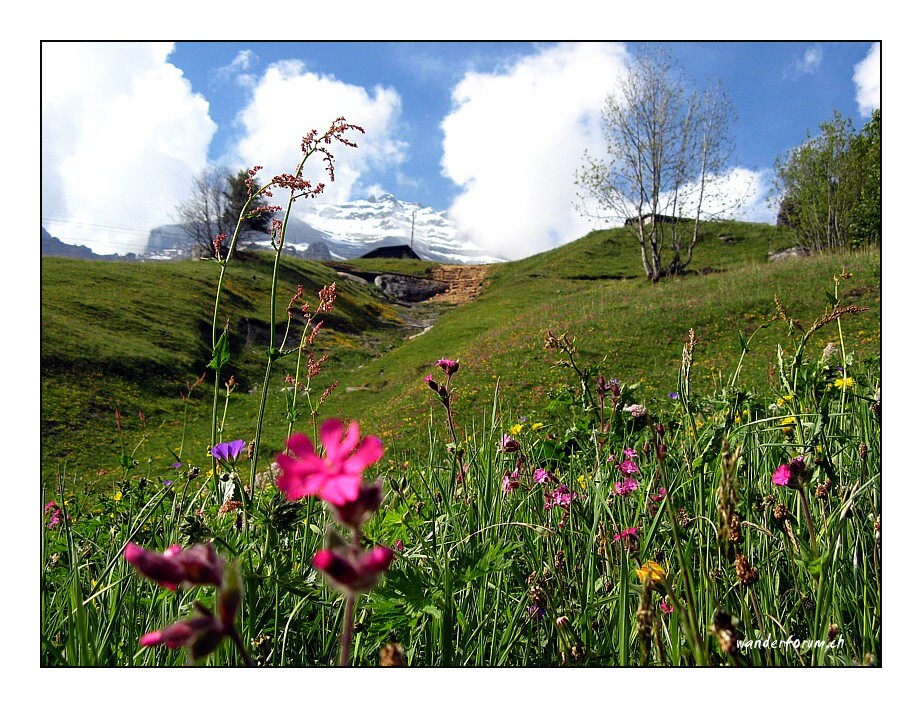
point(97, 226)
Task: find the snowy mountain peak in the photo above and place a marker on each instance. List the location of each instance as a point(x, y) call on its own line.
point(354, 228)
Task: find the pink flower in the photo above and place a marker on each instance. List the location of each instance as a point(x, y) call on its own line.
point(353, 571)
point(200, 635)
point(626, 535)
point(509, 444)
point(666, 608)
point(791, 474)
point(337, 477)
point(561, 496)
point(622, 489)
point(658, 497)
point(541, 475)
point(198, 565)
point(628, 467)
point(449, 366)
point(629, 452)
point(510, 481)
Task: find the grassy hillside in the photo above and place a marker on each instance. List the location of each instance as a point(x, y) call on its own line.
point(133, 337)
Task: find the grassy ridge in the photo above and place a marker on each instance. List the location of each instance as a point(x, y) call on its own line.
point(112, 341)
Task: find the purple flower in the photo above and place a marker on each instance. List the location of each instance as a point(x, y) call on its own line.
point(541, 475)
point(628, 467)
point(228, 451)
point(510, 481)
point(176, 465)
point(626, 535)
point(535, 613)
point(673, 396)
point(630, 453)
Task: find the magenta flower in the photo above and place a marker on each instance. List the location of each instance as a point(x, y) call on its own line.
point(561, 496)
point(659, 496)
point(200, 635)
point(791, 474)
point(626, 535)
point(353, 571)
point(630, 453)
point(337, 477)
point(449, 366)
point(54, 514)
point(625, 487)
point(541, 475)
point(509, 444)
point(198, 565)
point(628, 467)
point(228, 451)
point(510, 481)
point(666, 608)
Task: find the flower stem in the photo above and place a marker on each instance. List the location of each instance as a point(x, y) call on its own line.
point(345, 642)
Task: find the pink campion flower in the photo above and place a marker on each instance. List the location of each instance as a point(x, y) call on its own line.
point(657, 497)
point(630, 453)
point(628, 467)
point(198, 565)
point(666, 608)
point(793, 473)
point(509, 444)
point(562, 496)
point(199, 635)
point(612, 457)
point(625, 487)
point(541, 475)
point(449, 366)
point(510, 481)
point(337, 476)
point(353, 571)
point(228, 451)
point(626, 534)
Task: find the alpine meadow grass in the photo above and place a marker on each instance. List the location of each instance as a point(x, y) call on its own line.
point(731, 520)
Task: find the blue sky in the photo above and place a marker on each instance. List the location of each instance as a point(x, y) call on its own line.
point(492, 132)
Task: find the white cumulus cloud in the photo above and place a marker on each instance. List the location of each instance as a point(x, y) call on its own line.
point(122, 136)
point(514, 140)
point(288, 101)
point(867, 81)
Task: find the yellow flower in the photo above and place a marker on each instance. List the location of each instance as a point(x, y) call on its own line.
point(652, 571)
point(582, 481)
point(784, 400)
point(845, 383)
point(515, 429)
point(117, 496)
point(537, 426)
point(790, 420)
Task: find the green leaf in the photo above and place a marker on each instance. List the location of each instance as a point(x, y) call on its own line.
point(221, 354)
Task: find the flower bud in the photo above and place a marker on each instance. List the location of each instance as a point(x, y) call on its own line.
point(353, 571)
point(356, 513)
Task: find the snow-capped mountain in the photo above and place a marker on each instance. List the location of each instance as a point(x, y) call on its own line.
point(352, 229)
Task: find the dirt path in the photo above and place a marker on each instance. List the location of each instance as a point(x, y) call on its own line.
point(464, 282)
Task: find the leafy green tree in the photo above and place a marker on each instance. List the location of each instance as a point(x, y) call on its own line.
point(239, 188)
point(830, 186)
